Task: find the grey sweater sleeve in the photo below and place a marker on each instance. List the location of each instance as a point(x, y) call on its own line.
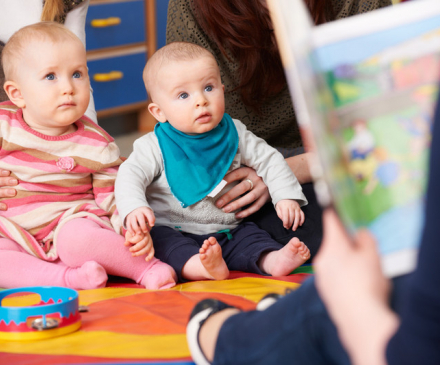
point(136, 174)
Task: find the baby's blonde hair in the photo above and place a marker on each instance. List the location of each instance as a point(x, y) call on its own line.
point(175, 51)
point(43, 31)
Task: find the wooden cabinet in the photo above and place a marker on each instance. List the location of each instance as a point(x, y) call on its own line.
point(120, 34)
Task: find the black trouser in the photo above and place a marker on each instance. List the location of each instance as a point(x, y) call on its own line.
point(310, 232)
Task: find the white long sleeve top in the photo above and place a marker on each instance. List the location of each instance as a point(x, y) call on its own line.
point(141, 182)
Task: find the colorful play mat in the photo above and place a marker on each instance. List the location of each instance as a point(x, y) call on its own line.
point(126, 324)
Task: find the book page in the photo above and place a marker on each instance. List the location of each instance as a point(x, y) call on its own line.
point(382, 72)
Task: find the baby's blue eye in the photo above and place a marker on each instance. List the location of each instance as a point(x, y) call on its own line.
point(76, 75)
point(183, 96)
point(50, 77)
point(208, 88)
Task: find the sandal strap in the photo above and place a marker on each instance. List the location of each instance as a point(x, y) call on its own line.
point(201, 312)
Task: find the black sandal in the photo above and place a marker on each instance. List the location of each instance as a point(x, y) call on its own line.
point(201, 312)
point(270, 299)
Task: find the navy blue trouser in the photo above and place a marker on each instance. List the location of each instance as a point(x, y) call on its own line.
point(241, 252)
point(296, 330)
point(310, 232)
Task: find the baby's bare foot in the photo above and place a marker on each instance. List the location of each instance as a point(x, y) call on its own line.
point(212, 260)
point(285, 260)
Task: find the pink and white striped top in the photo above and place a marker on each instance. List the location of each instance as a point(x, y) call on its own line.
point(60, 178)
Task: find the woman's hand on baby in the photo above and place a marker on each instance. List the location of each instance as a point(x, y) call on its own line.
point(290, 213)
point(141, 243)
point(6, 180)
point(255, 194)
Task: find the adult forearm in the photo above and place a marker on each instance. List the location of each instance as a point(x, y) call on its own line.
point(299, 164)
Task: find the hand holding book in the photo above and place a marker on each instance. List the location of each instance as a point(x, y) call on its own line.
point(364, 90)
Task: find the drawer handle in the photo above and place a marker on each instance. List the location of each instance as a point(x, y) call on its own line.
point(111, 76)
point(102, 23)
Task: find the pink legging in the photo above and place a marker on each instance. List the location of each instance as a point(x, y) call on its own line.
point(87, 253)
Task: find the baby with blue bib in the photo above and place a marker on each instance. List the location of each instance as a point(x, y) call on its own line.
point(168, 186)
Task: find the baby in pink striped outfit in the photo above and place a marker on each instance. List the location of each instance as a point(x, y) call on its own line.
point(62, 228)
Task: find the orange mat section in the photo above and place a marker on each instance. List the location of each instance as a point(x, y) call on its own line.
point(126, 324)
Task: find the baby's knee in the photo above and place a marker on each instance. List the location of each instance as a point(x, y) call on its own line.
point(7, 244)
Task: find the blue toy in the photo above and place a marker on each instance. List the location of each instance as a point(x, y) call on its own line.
point(56, 314)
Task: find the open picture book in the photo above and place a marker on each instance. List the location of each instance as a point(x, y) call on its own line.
point(364, 91)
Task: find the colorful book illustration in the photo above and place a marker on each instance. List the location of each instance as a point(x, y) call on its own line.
point(364, 89)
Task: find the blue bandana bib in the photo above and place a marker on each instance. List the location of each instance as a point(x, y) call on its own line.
point(196, 164)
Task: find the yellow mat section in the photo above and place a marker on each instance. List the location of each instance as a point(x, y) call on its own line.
point(103, 335)
point(105, 344)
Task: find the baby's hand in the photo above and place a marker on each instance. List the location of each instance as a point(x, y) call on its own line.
point(139, 223)
point(140, 220)
point(142, 244)
point(290, 213)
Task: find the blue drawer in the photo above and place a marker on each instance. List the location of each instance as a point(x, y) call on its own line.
point(115, 24)
point(121, 91)
point(161, 22)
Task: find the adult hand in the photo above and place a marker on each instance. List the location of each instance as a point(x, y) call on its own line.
point(6, 180)
point(349, 280)
point(256, 195)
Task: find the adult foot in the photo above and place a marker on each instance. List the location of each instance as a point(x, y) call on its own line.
point(285, 260)
point(212, 259)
